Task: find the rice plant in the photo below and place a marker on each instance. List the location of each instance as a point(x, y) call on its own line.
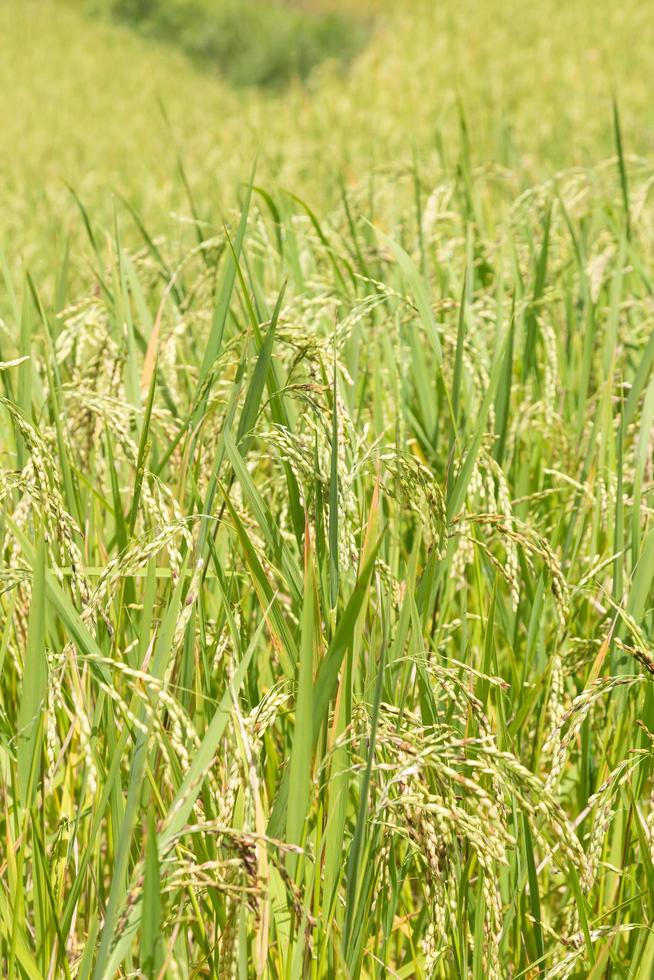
point(326, 576)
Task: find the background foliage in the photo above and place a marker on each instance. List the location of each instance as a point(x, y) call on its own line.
point(251, 42)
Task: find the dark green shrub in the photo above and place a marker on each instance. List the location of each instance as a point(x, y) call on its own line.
point(251, 42)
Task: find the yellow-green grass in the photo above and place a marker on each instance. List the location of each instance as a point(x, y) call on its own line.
point(326, 528)
point(81, 105)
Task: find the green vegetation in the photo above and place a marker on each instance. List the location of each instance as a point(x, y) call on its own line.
point(251, 42)
point(327, 542)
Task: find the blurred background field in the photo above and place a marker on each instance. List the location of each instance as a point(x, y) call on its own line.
point(82, 96)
